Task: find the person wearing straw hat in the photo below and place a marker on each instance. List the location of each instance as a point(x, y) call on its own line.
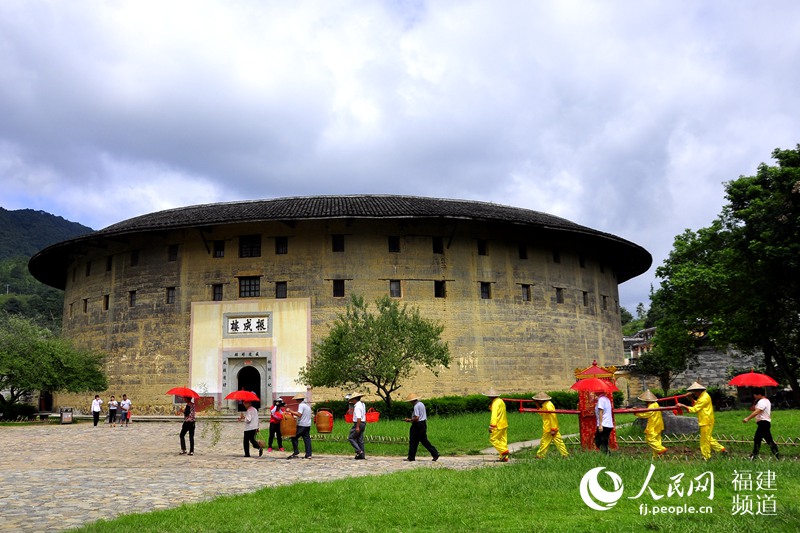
point(498, 425)
point(356, 436)
point(303, 415)
point(418, 433)
point(655, 424)
point(550, 433)
point(705, 419)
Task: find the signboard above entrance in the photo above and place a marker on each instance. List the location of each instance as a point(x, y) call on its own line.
point(248, 325)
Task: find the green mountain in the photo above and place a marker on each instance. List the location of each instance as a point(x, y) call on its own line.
point(23, 233)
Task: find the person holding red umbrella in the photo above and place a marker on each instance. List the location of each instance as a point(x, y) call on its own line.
point(189, 414)
point(605, 422)
point(762, 412)
point(250, 417)
point(705, 419)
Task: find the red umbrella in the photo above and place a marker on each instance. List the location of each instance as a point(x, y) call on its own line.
point(183, 391)
point(594, 385)
point(243, 395)
point(753, 379)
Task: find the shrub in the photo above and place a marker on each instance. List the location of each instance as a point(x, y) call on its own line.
point(457, 405)
point(15, 411)
point(564, 399)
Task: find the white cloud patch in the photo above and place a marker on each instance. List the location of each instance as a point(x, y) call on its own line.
point(625, 117)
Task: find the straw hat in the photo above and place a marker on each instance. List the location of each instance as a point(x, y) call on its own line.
point(542, 397)
point(647, 396)
point(695, 386)
point(301, 396)
point(356, 395)
point(411, 397)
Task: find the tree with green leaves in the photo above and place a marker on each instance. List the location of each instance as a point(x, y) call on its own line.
point(737, 282)
point(382, 349)
point(32, 359)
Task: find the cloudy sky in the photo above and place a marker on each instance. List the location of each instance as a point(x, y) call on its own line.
point(625, 116)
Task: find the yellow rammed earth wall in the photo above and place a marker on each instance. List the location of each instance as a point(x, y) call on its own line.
point(501, 342)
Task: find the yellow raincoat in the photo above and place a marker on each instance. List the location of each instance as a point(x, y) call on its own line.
point(705, 418)
point(550, 432)
point(498, 428)
point(652, 433)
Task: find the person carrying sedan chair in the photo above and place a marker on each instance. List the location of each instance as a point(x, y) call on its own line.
point(655, 424)
point(550, 432)
point(498, 425)
point(705, 419)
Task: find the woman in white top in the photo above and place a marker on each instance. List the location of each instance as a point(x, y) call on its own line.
point(762, 412)
point(96, 403)
point(250, 417)
point(112, 411)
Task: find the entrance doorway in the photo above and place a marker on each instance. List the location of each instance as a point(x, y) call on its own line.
point(45, 402)
point(249, 379)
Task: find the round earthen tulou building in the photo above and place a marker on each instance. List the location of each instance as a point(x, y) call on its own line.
point(231, 296)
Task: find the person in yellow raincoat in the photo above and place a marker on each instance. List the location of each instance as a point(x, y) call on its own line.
point(655, 424)
point(498, 425)
point(705, 419)
point(550, 431)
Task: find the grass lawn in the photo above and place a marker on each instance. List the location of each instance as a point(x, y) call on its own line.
point(523, 495)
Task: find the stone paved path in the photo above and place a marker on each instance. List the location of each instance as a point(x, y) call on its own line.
point(55, 477)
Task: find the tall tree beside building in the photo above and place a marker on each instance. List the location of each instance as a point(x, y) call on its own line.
point(738, 281)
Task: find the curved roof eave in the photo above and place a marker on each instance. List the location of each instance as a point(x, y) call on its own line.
point(48, 265)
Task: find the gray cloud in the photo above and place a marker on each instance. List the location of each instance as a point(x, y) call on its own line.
point(623, 117)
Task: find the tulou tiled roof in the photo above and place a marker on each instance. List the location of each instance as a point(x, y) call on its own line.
point(49, 265)
point(322, 207)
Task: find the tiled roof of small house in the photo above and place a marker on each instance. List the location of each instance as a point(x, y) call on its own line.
point(48, 265)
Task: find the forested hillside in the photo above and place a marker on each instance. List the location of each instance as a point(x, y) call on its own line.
point(23, 233)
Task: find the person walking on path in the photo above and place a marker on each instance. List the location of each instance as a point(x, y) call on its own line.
point(250, 417)
point(96, 408)
point(550, 432)
point(275, 417)
point(188, 426)
point(112, 411)
point(418, 432)
point(124, 411)
point(762, 412)
point(356, 436)
point(605, 422)
point(705, 419)
point(498, 425)
point(303, 415)
point(655, 424)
